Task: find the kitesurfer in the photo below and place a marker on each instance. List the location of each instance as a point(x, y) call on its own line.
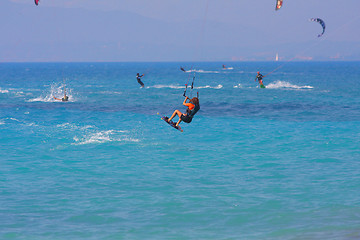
point(138, 77)
point(64, 99)
point(259, 77)
point(193, 107)
point(224, 67)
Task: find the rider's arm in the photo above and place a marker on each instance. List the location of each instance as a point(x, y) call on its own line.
point(184, 103)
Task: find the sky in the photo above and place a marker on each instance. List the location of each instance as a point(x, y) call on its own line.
point(177, 30)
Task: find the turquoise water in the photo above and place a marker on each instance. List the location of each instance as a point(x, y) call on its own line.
point(275, 163)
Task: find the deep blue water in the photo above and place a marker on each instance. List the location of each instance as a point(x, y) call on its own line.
point(275, 163)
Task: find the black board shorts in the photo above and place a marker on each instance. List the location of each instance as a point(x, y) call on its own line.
point(186, 118)
point(140, 82)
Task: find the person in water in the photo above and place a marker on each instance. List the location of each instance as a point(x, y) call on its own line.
point(138, 77)
point(259, 77)
point(64, 99)
point(193, 107)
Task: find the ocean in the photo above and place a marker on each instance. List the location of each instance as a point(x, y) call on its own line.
point(276, 163)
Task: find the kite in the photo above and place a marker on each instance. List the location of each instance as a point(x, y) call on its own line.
point(322, 23)
point(278, 4)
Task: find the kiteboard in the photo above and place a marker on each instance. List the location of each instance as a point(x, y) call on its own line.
point(262, 86)
point(171, 123)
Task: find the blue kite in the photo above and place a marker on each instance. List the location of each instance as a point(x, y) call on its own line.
point(322, 23)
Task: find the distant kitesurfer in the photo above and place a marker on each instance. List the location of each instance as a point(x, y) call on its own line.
point(259, 77)
point(193, 107)
point(64, 99)
point(138, 77)
point(224, 67)
point(182, 69)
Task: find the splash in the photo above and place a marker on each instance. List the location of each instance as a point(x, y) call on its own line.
point(55, 90)
point(238, 86)
point(282, 84)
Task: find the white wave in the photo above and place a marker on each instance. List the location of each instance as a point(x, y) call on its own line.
point(71, 126)
point(110, 92)
point(238, 86)
point(14, 119)
point(4, 91)
point(19, 93)
point(228, 68)
point(182, 87)
point(282, 84)
point(202, 71)
point(166, 86)
point(54, 91)
point(208, 86)
point(102, 137)
point(20, 122)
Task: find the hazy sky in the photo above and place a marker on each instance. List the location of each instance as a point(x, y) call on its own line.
point(177, 30)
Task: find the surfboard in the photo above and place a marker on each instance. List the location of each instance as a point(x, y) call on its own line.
point(171, 123)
